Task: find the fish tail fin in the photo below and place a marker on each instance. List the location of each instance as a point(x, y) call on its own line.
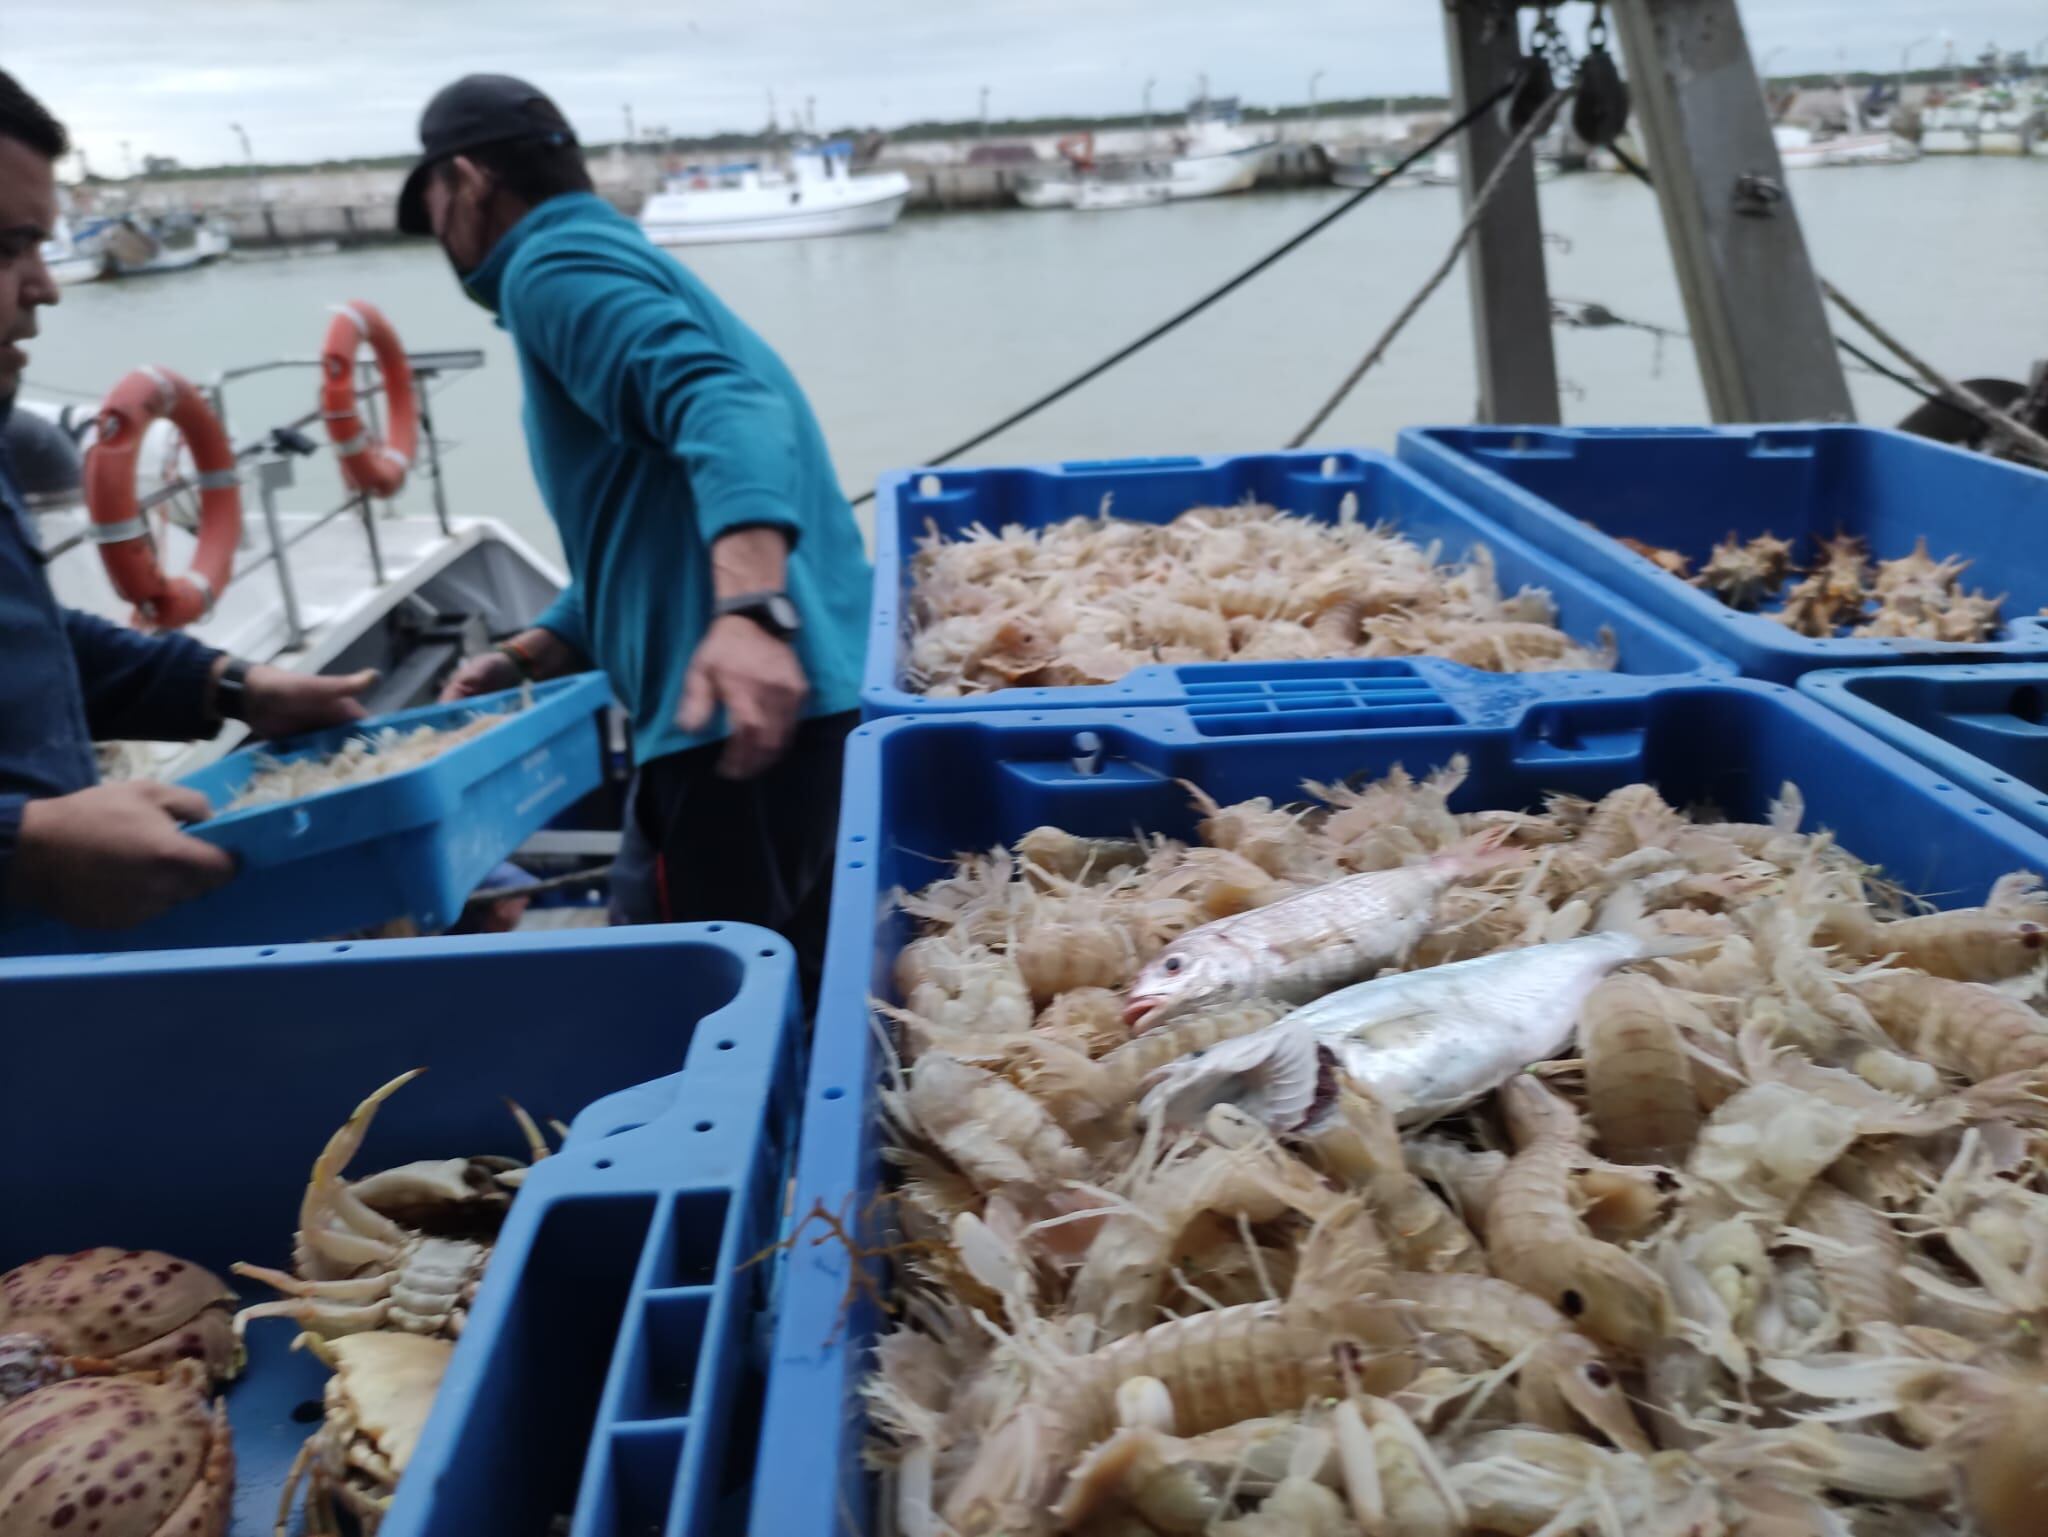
point(1272, 1074)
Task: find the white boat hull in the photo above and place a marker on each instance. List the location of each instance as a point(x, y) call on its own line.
point(66, 270)
point(1848, 149)
point(1107, 196)
point(1193, 176)
point(803, 212)
point(1046, 192)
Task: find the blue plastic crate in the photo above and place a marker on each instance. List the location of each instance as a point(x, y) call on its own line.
point(1157, 491)
point(1567, 490)
point(609, 1368)
point(918, 790)
point(1984, 729)
point(411, 845)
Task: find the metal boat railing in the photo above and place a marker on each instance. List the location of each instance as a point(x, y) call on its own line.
point(271, 458)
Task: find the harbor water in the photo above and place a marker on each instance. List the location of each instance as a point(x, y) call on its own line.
point(912, 339)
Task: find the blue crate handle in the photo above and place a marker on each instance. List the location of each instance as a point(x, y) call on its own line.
point(1982, 728)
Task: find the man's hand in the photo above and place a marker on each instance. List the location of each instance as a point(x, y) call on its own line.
point(493, 672)
point(279, 703)
point(759, 681)
point(114, 855)
point(488, 672)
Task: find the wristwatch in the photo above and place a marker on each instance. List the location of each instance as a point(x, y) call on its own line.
point(231, 691)
point(772, 611)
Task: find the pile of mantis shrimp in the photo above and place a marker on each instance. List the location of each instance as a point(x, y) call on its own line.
point(1760, 1249)
point(1087, 600)
point(372, 755)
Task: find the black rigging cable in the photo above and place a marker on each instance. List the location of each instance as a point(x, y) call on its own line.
point(1222, 290)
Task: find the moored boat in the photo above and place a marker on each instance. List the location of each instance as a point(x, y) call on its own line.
point(818, 194)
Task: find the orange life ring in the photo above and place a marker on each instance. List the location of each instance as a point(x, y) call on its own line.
point(122, 533)
point(368, 464)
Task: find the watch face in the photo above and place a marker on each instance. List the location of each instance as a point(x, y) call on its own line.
point(782, 613)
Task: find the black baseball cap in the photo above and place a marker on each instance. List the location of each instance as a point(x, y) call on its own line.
point(476, 110)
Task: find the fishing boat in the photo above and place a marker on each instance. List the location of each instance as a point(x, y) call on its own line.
point(1213, 153)
point(1989, 120)
point(817, 194)
point(1216, 151)
point(1805, 149)
point(137, 245)
point(70, 262)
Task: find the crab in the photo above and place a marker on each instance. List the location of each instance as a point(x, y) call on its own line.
point(103, 1311)
point(402, 1249)
point(376, 1405)
point(143, 1455)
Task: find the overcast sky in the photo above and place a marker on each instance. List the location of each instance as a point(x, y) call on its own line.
point(311, 81)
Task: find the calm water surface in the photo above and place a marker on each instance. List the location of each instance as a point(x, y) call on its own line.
point(910, 340)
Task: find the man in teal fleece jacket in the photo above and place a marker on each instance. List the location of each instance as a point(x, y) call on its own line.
point(716, 573)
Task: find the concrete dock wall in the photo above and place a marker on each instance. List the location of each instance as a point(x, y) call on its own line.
point(358, 206)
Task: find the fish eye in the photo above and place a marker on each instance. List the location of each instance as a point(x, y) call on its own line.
point(1173, 964)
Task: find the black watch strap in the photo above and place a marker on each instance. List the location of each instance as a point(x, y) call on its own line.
point(231, 690)
point(772, 611)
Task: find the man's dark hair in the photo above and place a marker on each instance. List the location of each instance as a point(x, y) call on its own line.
point(532, 170)
point(24, 118)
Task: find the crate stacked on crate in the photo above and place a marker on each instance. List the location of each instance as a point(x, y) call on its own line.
point(1116, 754)
point(605, 1381)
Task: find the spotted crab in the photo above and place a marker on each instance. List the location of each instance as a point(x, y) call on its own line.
point(141, 1455)
point(376, 1405)
point(103, 1311)
point(402, 1249)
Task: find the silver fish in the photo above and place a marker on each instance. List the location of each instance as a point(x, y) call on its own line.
point(1302, 946)
point(1423, 1042)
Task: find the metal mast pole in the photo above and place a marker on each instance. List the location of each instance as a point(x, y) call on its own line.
point(1757, 319)
point(1510, 290)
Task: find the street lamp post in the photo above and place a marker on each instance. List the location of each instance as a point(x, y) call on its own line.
point(984, 112)
point(1313, 80)
point(1906, 62)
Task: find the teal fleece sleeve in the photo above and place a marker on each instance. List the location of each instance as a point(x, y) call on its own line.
point(564, 620)
point(641, 362)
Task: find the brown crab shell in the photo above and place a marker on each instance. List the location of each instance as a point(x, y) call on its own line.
point(124, 1309)
point(143, 1455)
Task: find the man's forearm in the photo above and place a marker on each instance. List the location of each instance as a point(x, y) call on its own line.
point(749, 560)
